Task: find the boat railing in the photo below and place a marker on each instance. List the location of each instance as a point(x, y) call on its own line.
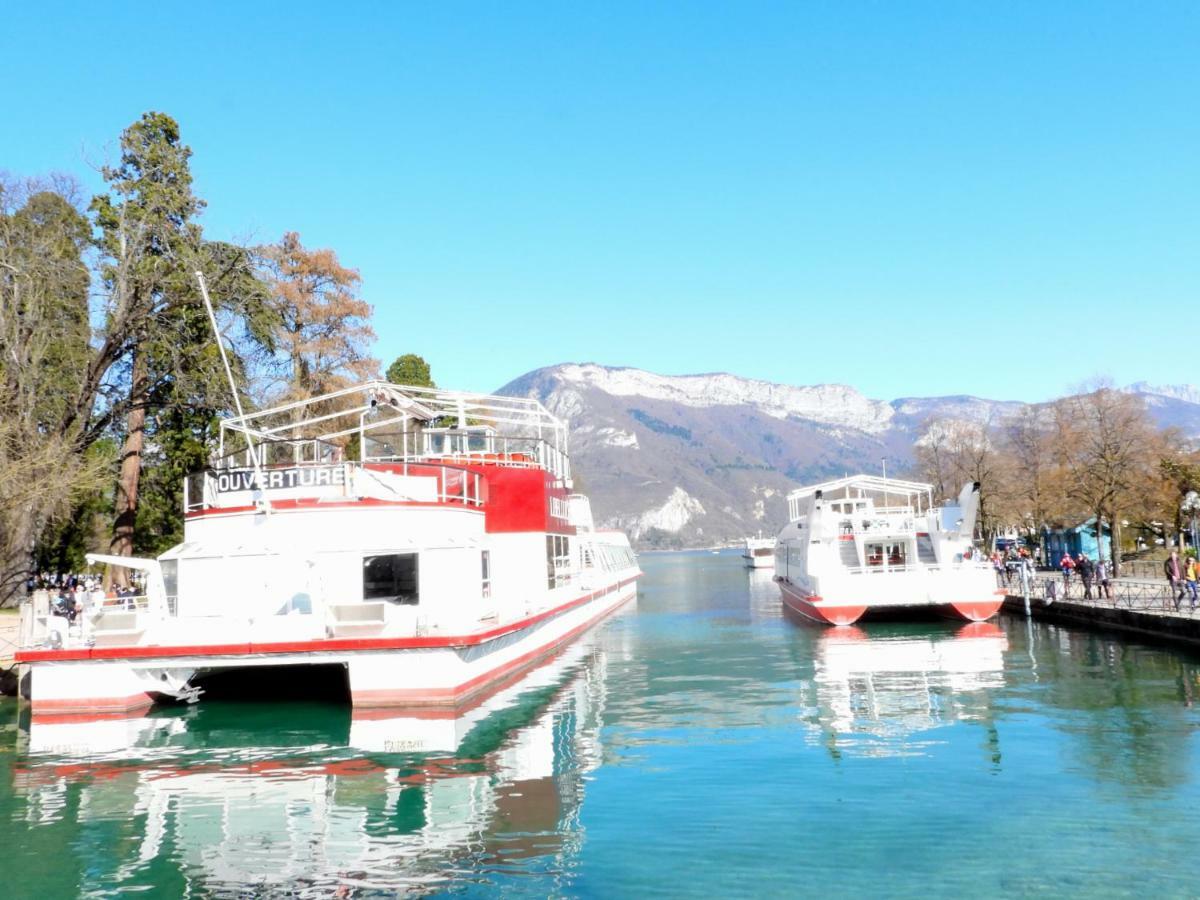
point(440, 482)
point(878, 522)
point(45, 624)
point(469, 446)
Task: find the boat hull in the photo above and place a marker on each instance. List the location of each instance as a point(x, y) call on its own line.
point(833, 611)
point(818, 610)
point(975, 610)
point(432, 671)
point(453, 676)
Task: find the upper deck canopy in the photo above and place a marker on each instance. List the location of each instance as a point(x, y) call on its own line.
point(399, 422)
point(859, 485)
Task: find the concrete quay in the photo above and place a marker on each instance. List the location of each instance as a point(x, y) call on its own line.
point(1141, 608)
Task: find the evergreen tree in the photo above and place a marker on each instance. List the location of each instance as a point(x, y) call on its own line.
point(410, 369)
point(160, 362)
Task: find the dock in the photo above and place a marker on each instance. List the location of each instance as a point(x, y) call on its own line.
point(1140, 607)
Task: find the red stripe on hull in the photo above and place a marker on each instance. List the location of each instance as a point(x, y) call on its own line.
point(824, 615)
point(465, 691)
point(92, 705)
point(83, 718)
point(977, 610)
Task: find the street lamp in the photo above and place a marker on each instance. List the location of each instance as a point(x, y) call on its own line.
point(1190, 507)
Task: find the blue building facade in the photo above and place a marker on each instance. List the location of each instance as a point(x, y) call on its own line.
point(1076, 539)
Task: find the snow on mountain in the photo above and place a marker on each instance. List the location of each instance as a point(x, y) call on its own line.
point(831, 404)
point(697, 459)
point(1186, 393)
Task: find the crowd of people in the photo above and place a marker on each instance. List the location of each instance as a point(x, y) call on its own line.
point(72, 594)
point(1183, 575)
point(1011, 563)
point(1097, 573)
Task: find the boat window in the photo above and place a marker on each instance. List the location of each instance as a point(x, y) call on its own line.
point(392, 577)
point(558, 560)
point(170, 574)
point(890, 554)
point(485, 559)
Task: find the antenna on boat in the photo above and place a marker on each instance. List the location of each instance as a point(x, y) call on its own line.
point(883, 462)
point(237, 400)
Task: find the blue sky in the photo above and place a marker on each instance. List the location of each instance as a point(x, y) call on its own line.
point(999, 199)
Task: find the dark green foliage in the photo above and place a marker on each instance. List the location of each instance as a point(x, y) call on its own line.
point(410, 369)
point(85, 528)
point(111, 381)
point(182, 439)
point(166, 365)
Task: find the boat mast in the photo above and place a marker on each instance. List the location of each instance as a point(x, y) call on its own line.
point(237, 400)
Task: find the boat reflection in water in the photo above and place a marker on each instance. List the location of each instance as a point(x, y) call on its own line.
point(872, 692)
point(321, 800)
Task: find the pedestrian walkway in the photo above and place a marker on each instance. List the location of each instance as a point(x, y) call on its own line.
point(1140, 606)
point(1123, 593)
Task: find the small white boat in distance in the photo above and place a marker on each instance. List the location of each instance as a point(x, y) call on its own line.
point(867, 543)
point(759, 552)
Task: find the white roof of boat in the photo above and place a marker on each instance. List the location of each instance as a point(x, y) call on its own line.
point(866, 483)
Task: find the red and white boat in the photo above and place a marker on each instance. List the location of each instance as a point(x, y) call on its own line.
point(863, 543)
point(448, 554)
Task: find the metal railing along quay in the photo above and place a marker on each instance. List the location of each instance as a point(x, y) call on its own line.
point(1123, 593)
point(1143, 607)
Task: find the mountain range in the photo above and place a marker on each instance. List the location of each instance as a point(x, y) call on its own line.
point(698, 460)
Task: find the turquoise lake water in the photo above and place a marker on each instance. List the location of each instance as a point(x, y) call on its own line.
point(699, 743)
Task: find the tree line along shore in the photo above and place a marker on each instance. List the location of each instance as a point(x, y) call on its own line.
point(111, 385)
point(1096, 456)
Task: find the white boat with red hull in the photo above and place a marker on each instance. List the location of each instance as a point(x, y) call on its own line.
point(866, 544)
point(447, 556)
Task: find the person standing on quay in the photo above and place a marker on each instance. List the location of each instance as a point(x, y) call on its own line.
point(1068, 566)
point(1174, 573)
point(1085, 570)
point(1103, 587)
point(1190, 575)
